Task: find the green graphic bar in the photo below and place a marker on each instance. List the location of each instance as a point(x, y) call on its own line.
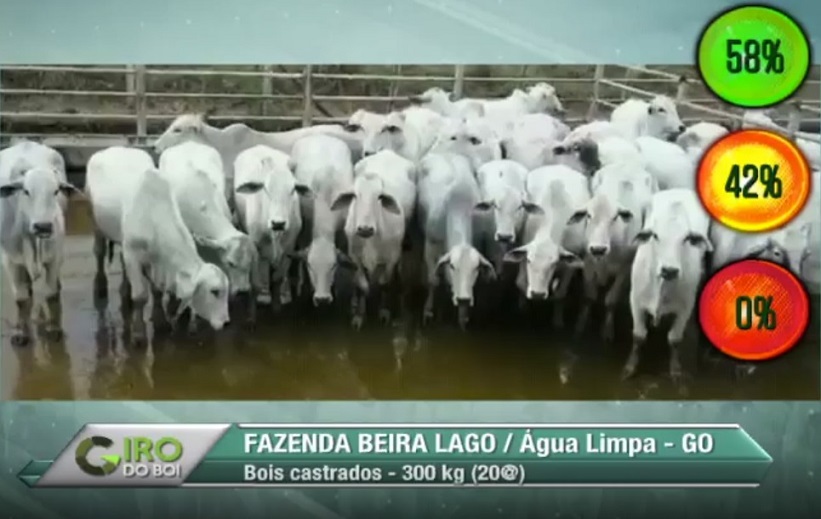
point(343, 455)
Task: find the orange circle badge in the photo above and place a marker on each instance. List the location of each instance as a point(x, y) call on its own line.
point(754, 310)
point(753, 180)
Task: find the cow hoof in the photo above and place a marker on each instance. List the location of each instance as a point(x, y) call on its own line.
point(357, 321)
point(629, 369)
point(558, 321)
point(54, 334)
point(608, 333)
point(564, 375)
point(20, 338)
point(385, 316)
point(100, 286)
point(427, 317)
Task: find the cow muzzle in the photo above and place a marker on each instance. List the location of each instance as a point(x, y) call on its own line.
point(42, 229)
point(364, 231)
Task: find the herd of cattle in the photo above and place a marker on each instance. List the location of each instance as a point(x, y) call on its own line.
point(475, 184)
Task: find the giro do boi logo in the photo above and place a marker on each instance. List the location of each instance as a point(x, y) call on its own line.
point(139, 457)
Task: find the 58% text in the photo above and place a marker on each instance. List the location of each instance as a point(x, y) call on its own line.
point(758, 308)
point(743, 178)
point(753, 55)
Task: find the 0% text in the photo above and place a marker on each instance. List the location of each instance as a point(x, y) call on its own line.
point(755, 311)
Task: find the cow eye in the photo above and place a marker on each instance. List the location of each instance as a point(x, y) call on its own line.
point(215, 292)
point(453, 137)
point(26, 192)
point(661, 110)
point(392, 128)
point(351, 127)
point(475, 141)
point(694, 239)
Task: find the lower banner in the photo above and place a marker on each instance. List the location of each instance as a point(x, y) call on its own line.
point(372, 455)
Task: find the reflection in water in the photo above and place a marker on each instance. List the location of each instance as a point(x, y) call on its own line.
point(305, 357)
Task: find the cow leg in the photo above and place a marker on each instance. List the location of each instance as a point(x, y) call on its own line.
point(359, 299)
point(432, 283)
point(674, 339)
point(265, 284)
point(125, 288)
point(139, 297)
point(55, 315)
point(611, 300)
point(565, 277)
point(639, 338)
point(22, 291)
point(100, 280)
point(589, 296)
point(387, 293)
point(158, 312)
point(286, 294)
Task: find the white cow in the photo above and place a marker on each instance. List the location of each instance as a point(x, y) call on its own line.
point(538, 98)
point(553, 245)
point(197, 179)
point(233, 139)
point(124, 168)
point(667, 270)
point(670, 165)
point(795, 246)
point(269, 210)
point(761, 119)
point(531, 140)
point(594, 130)
point(33, 198)
point(441, 101)
point(657, 117)
point(621, 195)
point(379, 209)
point(411, 133)
point(501, 207)
point(588, 155)
point(324, 164)
point(448, 193)
point(698, 137)
point(138, 210)
point(475, 139)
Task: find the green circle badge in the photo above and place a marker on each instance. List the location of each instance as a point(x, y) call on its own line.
point(753, 56)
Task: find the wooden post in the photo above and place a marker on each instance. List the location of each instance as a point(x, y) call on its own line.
point(630, 74)
point(458, 82)
point(681, 91)
point(139, 102)
point(307, 98)
point(598, 75)
point(794, 121)
point(267, 88)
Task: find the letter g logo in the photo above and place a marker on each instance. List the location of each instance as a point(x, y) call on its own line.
point(110, 461)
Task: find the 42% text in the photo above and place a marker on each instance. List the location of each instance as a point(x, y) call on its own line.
point(744, 178)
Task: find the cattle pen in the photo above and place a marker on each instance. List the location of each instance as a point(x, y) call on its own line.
point(80, 109)
point(510, 354)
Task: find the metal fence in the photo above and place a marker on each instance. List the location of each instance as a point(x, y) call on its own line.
point(627, 81)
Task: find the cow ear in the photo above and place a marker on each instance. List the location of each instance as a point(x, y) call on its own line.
point(206, 242)
point(344, 260)
point(531, 208)
point(249, 188)
point(516, 255)
point(441, 263)
point(342, 201)
point(303, 190)
point(10, 189)
point(389, 204)
point(486, 268)
point(69, 189)
point(569, 259)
